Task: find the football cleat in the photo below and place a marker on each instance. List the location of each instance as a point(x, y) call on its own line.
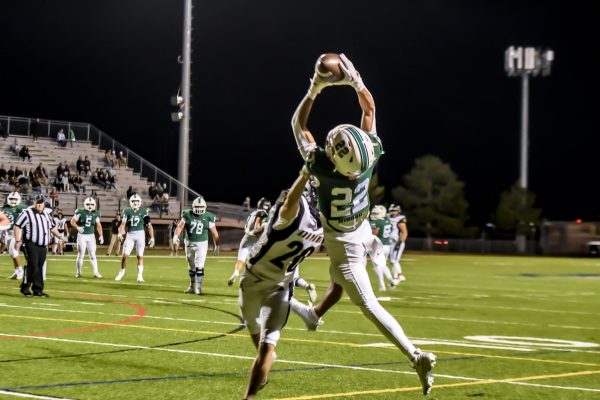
point(140, 278)
point(423, 363)
point(190, 289)
point(20, 272)
point(120, 275)
point(14, 275)
point(312, 292)
point(198, 290)
point(311, 320)
point(97, 275)
point(77, 274)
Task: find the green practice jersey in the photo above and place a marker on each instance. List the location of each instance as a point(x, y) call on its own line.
point(136, 220)
point(12, 213)
point(197, 226)
point(343, 202)
point(87, 219)
point(385, 227)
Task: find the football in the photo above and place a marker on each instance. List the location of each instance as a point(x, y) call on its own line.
point(328, 65)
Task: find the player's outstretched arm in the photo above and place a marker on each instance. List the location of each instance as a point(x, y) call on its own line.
point(291, 205)
point(365, 98)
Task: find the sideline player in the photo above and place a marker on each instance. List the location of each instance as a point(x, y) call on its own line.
point(399, 235)
point(85, 220)
point(266, 288)
point(344, 169)
point(255, 224)
point(135, 218)
point(197, 222)
point(171, 229)
point(381, 227)
point(12, 209)
point(60, 221)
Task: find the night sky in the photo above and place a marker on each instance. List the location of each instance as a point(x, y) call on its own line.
point(435, 69)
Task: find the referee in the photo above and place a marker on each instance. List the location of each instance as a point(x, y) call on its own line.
point(37, 226)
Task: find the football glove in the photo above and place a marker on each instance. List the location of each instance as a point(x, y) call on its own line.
point(175, 240)
point(80, 229)
point(120, 237)
point(216, 249)
point(151, 242)
point(351, 75)
point(101, 240)
point(233, 278)
point(317, 83)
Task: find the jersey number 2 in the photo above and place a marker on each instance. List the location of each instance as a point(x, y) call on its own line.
point(296, 252)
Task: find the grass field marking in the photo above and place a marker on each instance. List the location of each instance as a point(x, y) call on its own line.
point(472, 382)
point(30, 396)
point(541, 360)
point(530, 341)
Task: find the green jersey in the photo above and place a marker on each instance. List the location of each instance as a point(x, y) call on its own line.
point(385, 227)
point(197, 226)
point(136, 220)
point(86, 219)
point(12, 213)
point(343, 202)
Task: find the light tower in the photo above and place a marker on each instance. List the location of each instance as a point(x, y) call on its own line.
point(526, 62)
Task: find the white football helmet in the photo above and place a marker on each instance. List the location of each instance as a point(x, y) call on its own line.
point(13, 199)
point(264, 204)
point(89, 204)
point(135, 202)
point(378, 212)
point(199, 206)
point(394, 209)
point(350, 149)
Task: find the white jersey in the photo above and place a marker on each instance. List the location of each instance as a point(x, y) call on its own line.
point(60, 223)
point(395, 221)
point(280, 250)
point(251, 221)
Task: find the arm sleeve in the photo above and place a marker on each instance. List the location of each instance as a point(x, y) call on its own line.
point(305, 147)
point(22, 220)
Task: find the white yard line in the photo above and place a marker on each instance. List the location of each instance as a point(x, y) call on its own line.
point(30, 396)
point(281, 361)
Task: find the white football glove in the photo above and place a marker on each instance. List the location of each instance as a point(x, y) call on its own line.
point(151, 242)
point(216, 250)
point(318, 83)
point(233, 278)
point(175, 240)
point(351, 75)
point(80, 229)
point(101, 240)
point(120, 237)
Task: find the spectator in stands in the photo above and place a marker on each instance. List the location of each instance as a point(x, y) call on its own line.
point(130, 192)
point(23, 183)
point(76, 182)
point(71, 137)
point(111, 181)
point(98, 178)
point(24, 153)
point(158, 189)
point(41, 174)
point(36, 185)
point(109, 159)
point(164, 204)
point(58, 183)
point(151, 191)
point(94, 196)
point(53, 194)
point(18, 172)
point(246, 204)
point(35, 126)
point(11, 174)
point(60, 169)
point(15, 148)
point(79, 165)
point(87, 166)
point(121, 159)
point(3, 174)
point(61, 139)
point(156, 203)
point(66, 168)
point(65, 182)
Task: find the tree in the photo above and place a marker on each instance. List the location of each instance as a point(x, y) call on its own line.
point(434, 199)
point(376, 193)
point(515, 211)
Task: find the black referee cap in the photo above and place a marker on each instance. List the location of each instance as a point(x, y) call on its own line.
point(39, 198)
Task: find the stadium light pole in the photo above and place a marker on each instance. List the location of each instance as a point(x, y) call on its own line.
point(525, 62)
point(184, 114)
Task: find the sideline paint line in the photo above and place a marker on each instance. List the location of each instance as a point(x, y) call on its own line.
point(30, 396)
point(296, 340)
point(473, 382)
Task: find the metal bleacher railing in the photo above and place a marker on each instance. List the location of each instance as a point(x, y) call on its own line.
point(87, 132)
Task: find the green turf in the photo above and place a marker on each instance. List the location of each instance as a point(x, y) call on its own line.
point(101, 339)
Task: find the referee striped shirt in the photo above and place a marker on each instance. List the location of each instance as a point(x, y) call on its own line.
point(35, 226)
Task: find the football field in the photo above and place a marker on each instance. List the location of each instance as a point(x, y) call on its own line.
point(502, 328)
